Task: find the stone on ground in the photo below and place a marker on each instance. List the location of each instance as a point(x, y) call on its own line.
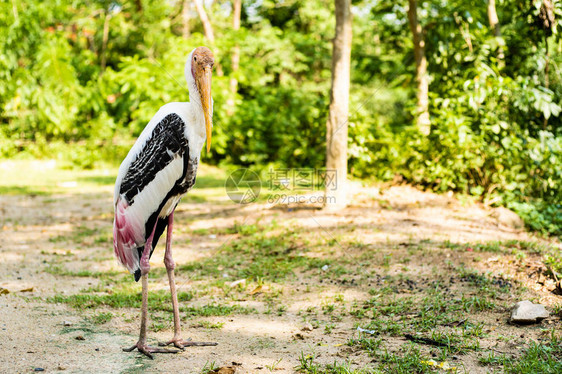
point(527, 312)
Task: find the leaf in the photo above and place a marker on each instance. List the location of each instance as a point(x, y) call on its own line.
point(256, 290)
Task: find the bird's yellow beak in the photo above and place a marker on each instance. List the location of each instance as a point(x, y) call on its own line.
point(205, 92)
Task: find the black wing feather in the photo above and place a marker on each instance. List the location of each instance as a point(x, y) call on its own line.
point(166, 143)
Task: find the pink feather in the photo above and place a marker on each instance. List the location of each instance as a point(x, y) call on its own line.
point(127, 236)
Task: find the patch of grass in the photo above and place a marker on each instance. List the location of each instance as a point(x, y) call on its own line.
point(281, 310)
point(409, 361)
point(308, 366)
point(126, 297)
point(157, 326)
point(259, 344)
point(537, 358)
point(370, 345)
point(209, 325)
point(79, 234)
point(62, 271)
point(25, 190)
point(493, 359)
point(329, 327)
point(476, 303)
point(274, 366)
point(209, 367)
point(262, 252)
point(101, 318)
point(505, 247)
point(215, 310)
point(42, 178)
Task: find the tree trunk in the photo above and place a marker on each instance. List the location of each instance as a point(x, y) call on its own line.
point(209, 34)
point(495, 26)
point(422, 110)
point(235, 58)
point(185, 19)
point(336, 134)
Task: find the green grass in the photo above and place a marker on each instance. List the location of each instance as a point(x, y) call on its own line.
point(537, 358)
point(24, 177)
point(504, 247)
point(308, 365)
point(101, 318)
point(48, 177)
point(261, 252)
point(104, 275)
point(408, 360)
point(80, 233)
point(130, 297)
point(125, 297)
point(216, 310)
point(209, 325)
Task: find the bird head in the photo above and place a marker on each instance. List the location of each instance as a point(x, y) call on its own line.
point(201, 66)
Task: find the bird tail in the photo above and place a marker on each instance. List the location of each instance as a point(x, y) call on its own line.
point(127, 236)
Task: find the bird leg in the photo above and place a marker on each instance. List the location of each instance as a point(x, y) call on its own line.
point(141, 344)
point(177, 341)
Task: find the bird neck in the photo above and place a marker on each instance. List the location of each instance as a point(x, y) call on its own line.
point(197, 109)
point(195, 131)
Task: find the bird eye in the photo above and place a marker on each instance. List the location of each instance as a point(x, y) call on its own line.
point(194, 58)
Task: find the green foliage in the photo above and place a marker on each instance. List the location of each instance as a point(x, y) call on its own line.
point(128, 297)
point(101, 318)
point(496, 123)
point(537, 358)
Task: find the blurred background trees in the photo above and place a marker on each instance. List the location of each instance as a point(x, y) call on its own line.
point(80, 80)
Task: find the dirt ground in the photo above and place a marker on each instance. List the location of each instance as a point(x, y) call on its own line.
point(37, 333)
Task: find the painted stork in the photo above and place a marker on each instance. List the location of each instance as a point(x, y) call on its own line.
point(159, 169)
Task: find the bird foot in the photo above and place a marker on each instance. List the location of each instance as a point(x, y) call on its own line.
point(148, 350)
point(181, 344)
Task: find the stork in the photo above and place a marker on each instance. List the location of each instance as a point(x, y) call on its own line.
point(159, 169)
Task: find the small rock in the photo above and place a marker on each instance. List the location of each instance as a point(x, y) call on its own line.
point(508, 218)
point(67, 323)
point(61, 367)
point(527, 312)
point(79, 337)
point(38, 369)
point(325, 268)
point(307, 327)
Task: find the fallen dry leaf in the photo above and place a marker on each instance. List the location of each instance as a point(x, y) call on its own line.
point(29, 289)
point(4, 291)
point(224, 370)
point(256, 290)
